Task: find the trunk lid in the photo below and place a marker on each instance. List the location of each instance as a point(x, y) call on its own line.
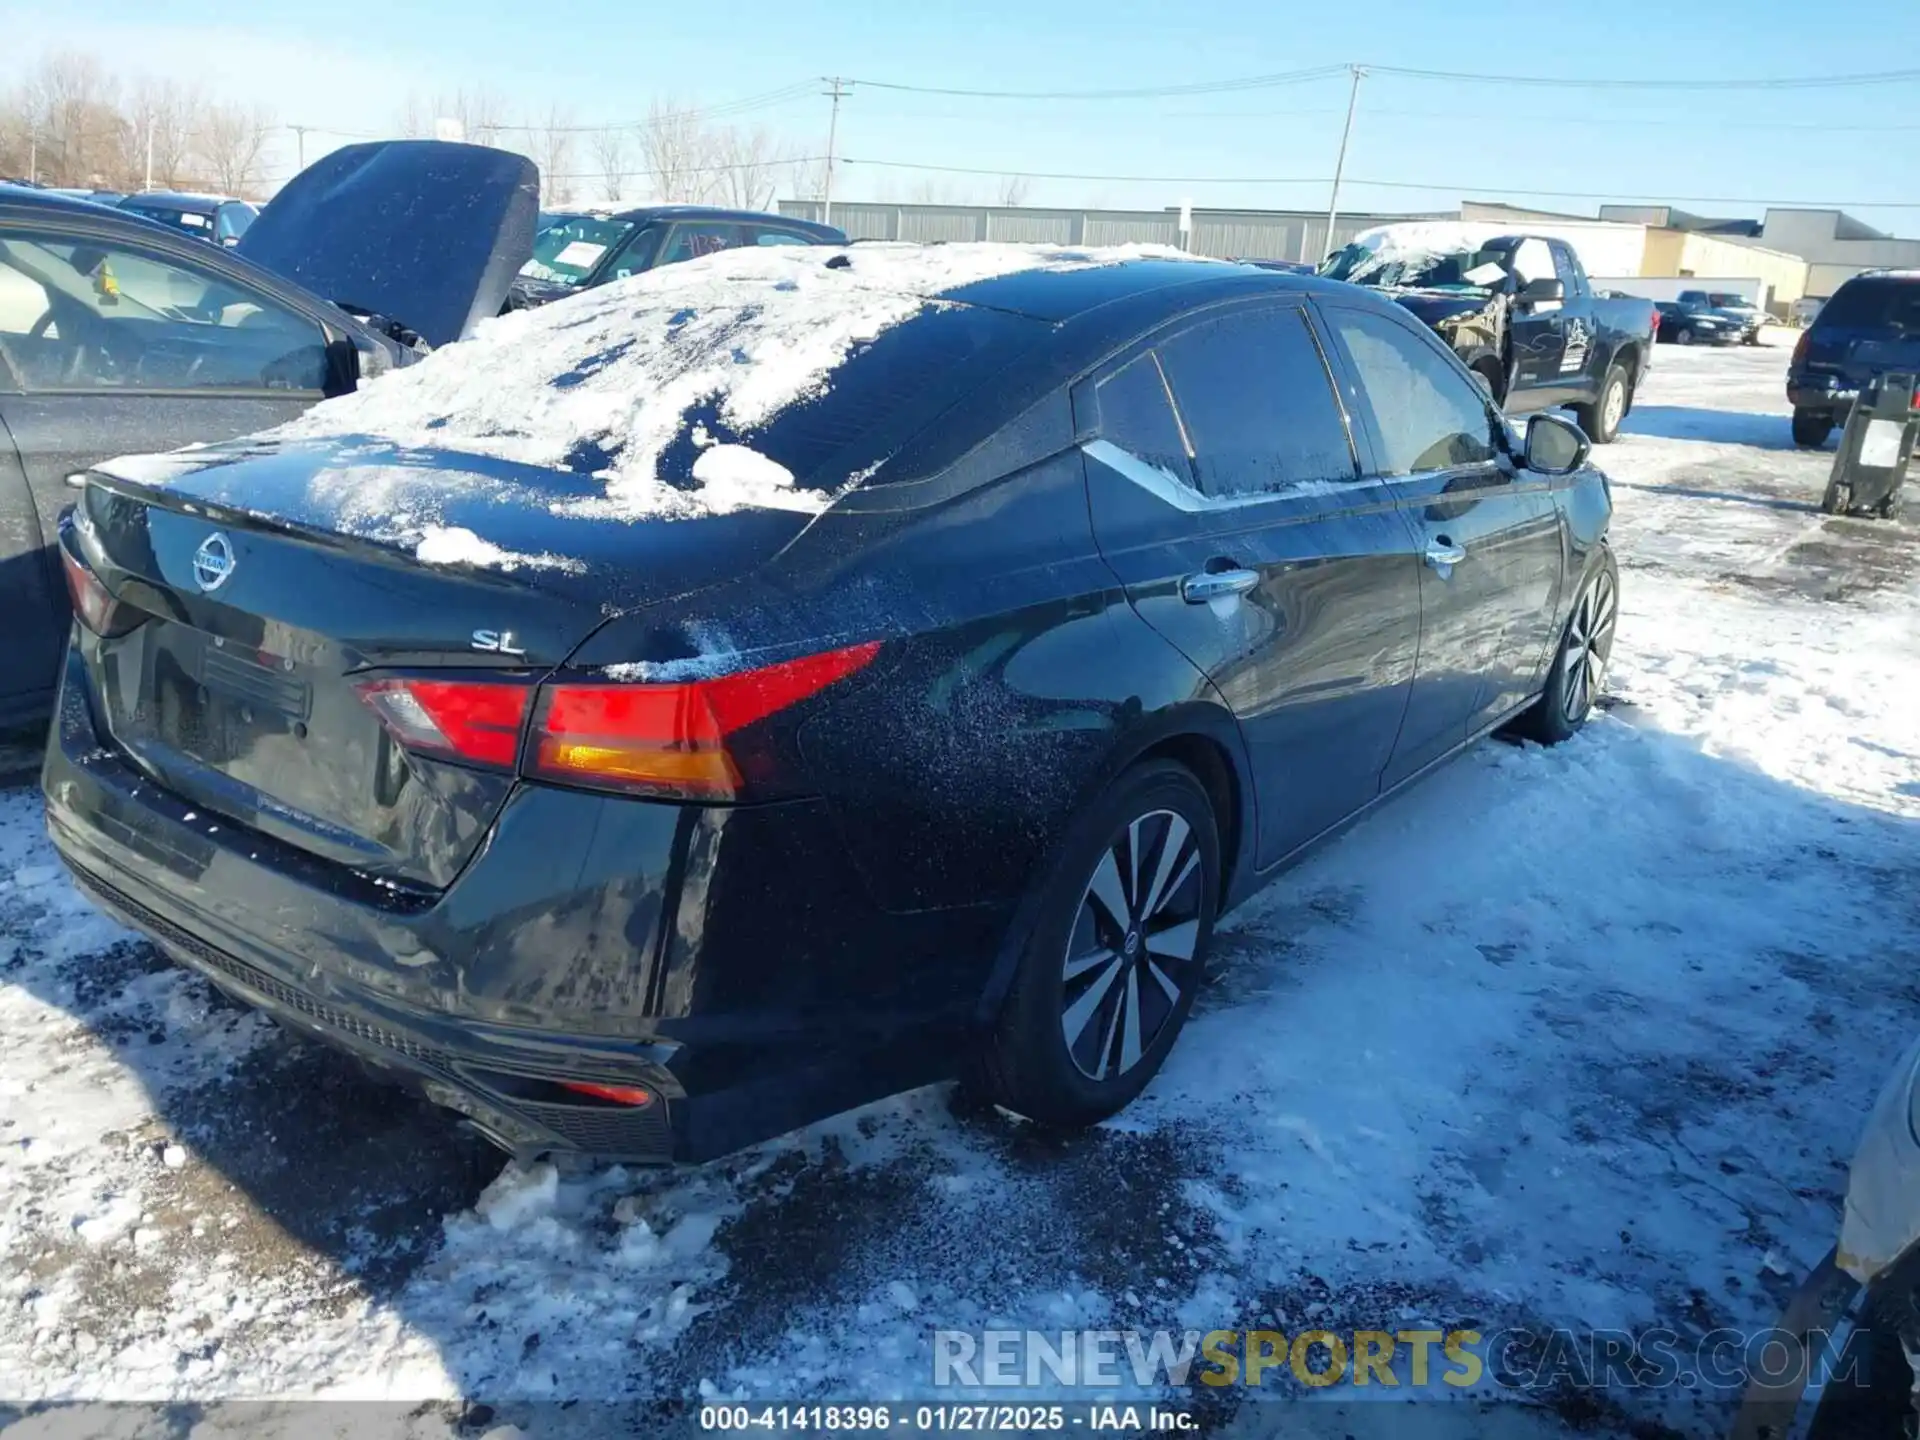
point(277, 578)
point(424, 232)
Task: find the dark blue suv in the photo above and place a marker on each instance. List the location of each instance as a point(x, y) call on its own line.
point(1869, 327)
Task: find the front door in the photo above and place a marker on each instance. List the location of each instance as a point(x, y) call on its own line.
point(1226, 493)
point(113, 349)
point(1488, 532)
point(1538, 328)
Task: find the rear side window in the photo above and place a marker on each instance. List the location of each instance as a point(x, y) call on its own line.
point(1429, 414)
point(764, 235)
point(1136, 415)
point(1873, 304)
point(1257, 404)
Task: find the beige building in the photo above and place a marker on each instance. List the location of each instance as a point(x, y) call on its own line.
point(1685, 253)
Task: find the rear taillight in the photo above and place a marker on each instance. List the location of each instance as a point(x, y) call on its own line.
point(674, 740)
point(1656, 322)
point(477, 721)
point(92, 601)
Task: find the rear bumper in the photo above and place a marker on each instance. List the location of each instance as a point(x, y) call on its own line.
point(730, 961)
point(1817, 391)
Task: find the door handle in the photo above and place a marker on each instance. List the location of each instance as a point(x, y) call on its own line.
point(1443, 554)
point(1217, 584)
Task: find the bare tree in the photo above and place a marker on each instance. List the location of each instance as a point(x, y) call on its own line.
point(807, 178)
point(162, 119)
point(480, 113)
point(232, 142)
point(747, 164)
point(613, 154)
point(1013, 190)
point(678, 151)
point(553, 153)
point(75, 132)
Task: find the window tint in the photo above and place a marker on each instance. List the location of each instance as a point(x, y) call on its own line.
point(1257, 403)
point(763, 236)
point(1429, 415)
point(691, 241)
point(1136, 415)
point(79, 315)
point(1876, 302)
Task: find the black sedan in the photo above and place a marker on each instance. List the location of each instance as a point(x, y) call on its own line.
point(118, 334)
point(217, 219)
point(576, 251)
point(724, 699)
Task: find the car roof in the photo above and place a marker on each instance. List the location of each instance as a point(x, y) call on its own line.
point(31, 198)
point(1145, 285)
point(175, 200)
point(710, 212)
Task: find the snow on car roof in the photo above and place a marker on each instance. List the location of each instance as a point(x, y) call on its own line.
point(612, 373)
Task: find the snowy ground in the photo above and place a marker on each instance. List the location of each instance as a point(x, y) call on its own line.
point(1576, 1037)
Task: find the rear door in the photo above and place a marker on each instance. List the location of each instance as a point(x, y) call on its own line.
point(1226, 493)
point(1489, 533)
point(691, 239)
point(115, 348)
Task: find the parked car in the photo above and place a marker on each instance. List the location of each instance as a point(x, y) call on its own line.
point(117, 334)
point(1731, 305)
point(1869, 327)
point(214, 218)
point(1682, 323)
point(578, 250)
point(1847, 1362)
point(805, 675)
point(1519, 310)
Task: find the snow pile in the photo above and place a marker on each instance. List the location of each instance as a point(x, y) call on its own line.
point(612, 373)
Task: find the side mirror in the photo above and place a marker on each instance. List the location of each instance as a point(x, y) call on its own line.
point(1555, 446)
point(1542, 292)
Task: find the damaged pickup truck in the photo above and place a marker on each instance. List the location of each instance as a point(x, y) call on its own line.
point(1518, 309)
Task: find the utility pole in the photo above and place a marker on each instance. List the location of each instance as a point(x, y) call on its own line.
point(838, 92)
point(149, 184)
point(300, 144)
point(33, 154)
point(1340, 162)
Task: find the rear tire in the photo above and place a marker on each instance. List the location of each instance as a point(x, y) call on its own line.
point(1811, 428)
point(1839, 498)
point(1601, 420)
point(1683, 337)
point(1579, 672)
point(1099, 997)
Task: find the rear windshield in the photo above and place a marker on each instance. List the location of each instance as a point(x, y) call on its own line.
point(902, 380)
point(192, 221)
point(1874, 304)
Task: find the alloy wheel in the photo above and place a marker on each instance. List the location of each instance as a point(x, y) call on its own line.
point(1614, 407)
point(1130, 955)
point(1588, 647)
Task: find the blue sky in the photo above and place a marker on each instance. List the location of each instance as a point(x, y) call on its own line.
point(607, 61)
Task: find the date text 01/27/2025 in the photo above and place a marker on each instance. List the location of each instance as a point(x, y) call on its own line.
point(983, 1419)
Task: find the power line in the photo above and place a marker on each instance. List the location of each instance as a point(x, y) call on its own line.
point(1436, 185)
point(1147, 92)
point(1297, 77)
point(1781, 82)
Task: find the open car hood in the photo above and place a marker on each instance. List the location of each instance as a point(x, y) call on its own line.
point(426, 233)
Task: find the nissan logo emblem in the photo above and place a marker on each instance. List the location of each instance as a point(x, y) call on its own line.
point(213, 562)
